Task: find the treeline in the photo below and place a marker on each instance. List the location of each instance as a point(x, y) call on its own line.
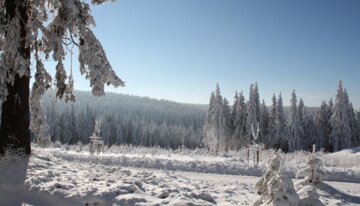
point(126, 119)
point(332, 127)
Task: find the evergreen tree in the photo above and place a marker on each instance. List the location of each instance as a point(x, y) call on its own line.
point(310, 136)
point(225, 140)
point(357, 141)
point(353, 125)
point(340, 136)
point(233, 111)
point(264, 123)
point(257, 100)
point(252, 117)
point(301, 111)
point(28, 28)
point(239, 124)
point(217, 131)
point(273, 140)
point(293, 129)
point(280, 125)
point(323, 127)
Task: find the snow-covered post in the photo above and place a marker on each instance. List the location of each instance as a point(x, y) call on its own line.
point(248, 154)
point(313, 148)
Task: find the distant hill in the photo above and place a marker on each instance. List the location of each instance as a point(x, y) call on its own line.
point(144, 116)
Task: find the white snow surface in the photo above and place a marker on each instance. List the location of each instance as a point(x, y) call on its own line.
point(56, 176)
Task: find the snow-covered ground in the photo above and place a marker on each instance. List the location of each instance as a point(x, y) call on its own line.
point(138, 176)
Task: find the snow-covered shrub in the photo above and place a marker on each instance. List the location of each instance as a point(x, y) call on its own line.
point(273, 166)
point(274, 187)
point(281, 191)
point(313, 173)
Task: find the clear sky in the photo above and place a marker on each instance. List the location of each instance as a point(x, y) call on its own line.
point(179, 49)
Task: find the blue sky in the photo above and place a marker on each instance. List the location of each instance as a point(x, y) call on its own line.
point(180, 49)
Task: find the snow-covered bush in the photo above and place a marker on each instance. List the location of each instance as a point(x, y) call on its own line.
point(281, 191)
point(274, 187)
point(273, 165)
point(314, 173)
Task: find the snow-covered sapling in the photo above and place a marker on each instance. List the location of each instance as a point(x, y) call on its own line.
point(282, 191)
point(96, 143)
point(273, 167)
point(276, 188)
point(313, 173)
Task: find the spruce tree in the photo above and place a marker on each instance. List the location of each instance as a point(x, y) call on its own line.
point(272, 140)
point(340, 136)
point(301, 111)
point(323, 127)
point(294, 130)
point(280, 125)
point(353, 125)
point(252, 117)
point(264, 123)
point(216, 131)
point(225, 139)
point(310, 136)
point(28, 29)
point(239, 134)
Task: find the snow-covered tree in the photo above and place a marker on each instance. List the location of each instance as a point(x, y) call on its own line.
point(310, 135)
point(272, 139)
point(96, 141)
point(340, 136)
point(323, 126)
point(275, 188)
point(355, 135)
point(252, 117)
point(216, 131)
point(239, 123)
point(357, 142)
point(282, 191)
point(264, 123)
point(225, 140)
point(273, 167)
point(294, 129)
point(233, 111)
point(280, 125)
point(301, 111)
point(314, 173)
point(28, 28)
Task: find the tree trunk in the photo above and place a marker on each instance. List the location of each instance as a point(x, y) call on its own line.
point(15, 116)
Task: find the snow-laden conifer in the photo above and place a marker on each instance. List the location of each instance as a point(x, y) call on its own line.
point(44, 29)
point(252, 117)
point(294, 130)
point(273, 140)
point(340, 136)
point(264, 123)
point(275, 188)
point(323, 126)
point(217, 129)
point(239, 123)
point(280, 125)
point(314, 173)
point(273, 167)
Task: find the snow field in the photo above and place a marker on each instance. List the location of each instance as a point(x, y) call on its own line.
point(55, 176)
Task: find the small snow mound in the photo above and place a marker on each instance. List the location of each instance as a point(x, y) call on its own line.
point(355, 150)
point(309, 196)
point(130, 199)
